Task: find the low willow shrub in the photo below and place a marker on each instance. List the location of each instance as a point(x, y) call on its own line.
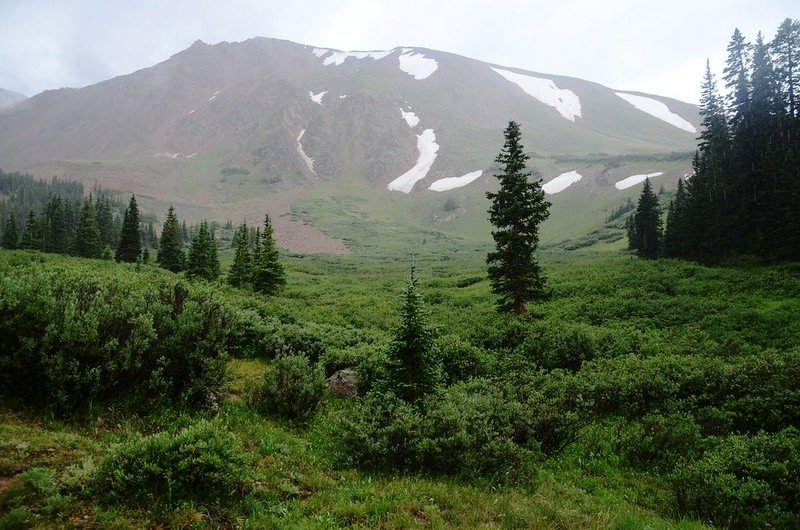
point(744, 482)
point(661, 442)
point(203, 462)
point(292, 388)
point(73, 333)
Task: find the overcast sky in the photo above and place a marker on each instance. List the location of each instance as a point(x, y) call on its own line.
point(647, 45)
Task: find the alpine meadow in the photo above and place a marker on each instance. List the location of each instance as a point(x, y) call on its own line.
point(264, 284)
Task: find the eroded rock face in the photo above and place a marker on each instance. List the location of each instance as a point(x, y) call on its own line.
point(344, 383)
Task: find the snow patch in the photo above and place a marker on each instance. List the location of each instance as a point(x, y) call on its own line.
point(562, 182)
point(657, 109)
point(635, 179)
point(427, 147)
point(191, 112)
point(168, 155)
point(212, 98)
point(566, 102)
point(411, 119)
point(343, 96)
point(339, 58)
point(193, 154)
point(416, 64)
point(317, 98)
point(319, 52)
point(454, 182)
point(307, 159)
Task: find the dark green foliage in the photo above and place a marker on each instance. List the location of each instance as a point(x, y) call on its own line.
point(32, 235)
point(661, 442)
point(745, 482)
point(292, 388)
point(414, 368)
point(203, 261)
point(241, 271)
point(517, 210)
point(268, 274)
point(170, 247)
point(87, 242)
point(74, 335)
point(10, 233)
point(130, 242)
point(203, 462)
point(644, 235)
point(462, 361)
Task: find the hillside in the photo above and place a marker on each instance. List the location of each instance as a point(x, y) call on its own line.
point(230, 130)
point(8, 98)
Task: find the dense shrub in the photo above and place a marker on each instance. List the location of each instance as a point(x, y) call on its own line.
point(292, 388)
point(461, 360)
point(203, 461)
point(382, 431)
point(75, 333)
point(283, 340)
point(745, 482)
point(661, 441)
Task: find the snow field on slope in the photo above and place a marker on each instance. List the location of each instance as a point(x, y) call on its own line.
point(411, 119)
point(416, 64)
point(635, 179)
point(427, 147)
point(338, 58)
point(307, 159)
point(566, 102)
point(454, 182)
point(561, 182)
point(657, 109)
point(317, 98)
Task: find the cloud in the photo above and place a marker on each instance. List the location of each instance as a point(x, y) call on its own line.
point(626, 44)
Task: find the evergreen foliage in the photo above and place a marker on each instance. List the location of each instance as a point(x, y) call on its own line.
point(170, 248)
point(87, 242)
point(32, 235)
point(517, 210)
point(241, 271)
point(203, 260)
point(10, 232)
point(644, 234)
point(745, 187)
point(130, 241)
point(268, 274)
point(414, 368)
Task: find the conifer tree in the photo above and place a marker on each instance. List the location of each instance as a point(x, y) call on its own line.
point(31, 236)
point(170, 248)
point(645, 236)
point(241, 271)
point(675, 232)
point(10, 232)
point(203, 261)
point(105, 222)
point(87, 242)
point(414, 363)
point(54, 228)
point(268, 274)
point(517, 210)
point(130, 243)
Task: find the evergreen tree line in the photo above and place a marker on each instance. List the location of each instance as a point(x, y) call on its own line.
point(743, 196)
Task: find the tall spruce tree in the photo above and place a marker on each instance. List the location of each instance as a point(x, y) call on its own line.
point(268, 273)
point(675, 244)
point(10, 232)
point(517, 210)
point(241, 271)
point(87, 242)
point(170, 248)
point(105, 222)
point(645, 235)
point(203, 260)
point(54, 230)
point(414, 364)
point(32, 235)
point(130, 242)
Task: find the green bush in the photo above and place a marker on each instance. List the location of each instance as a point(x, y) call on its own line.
point(292, 388)
point(661, 441)
point(744, 482)
point(201, 462)
point(73, 333)
point(461, 360)
point(284, 340)
point(368, 360)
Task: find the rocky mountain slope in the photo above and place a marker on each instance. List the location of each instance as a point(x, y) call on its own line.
point(234, 129)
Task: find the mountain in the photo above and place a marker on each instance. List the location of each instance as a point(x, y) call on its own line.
point(347, 145)
point(8, 98)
